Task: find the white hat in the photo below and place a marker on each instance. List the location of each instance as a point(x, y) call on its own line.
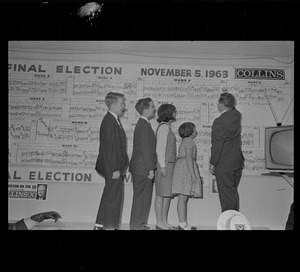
point(232, 220)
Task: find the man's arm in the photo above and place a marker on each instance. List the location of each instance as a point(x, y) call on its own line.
point(20, 225)
point(146, 140)
point(108, 145)
point(217, 140)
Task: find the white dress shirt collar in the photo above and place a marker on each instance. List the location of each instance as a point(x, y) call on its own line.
point(114, 115)
point(225, 111)
point(143, 117)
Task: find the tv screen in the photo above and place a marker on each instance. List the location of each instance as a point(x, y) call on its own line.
point(279, 148)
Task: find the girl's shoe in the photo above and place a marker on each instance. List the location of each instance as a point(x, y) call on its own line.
point(159, 228)
point(187, 227)
point(173, 228)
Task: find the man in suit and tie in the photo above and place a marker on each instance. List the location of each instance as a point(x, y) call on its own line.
point(142, 165)
point(227, 160)
point(112, 162)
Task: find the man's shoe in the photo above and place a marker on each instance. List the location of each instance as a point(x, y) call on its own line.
point(144, 228)
point(98, 228)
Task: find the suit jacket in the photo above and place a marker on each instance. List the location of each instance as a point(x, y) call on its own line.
point(226, 152)
point(144, 156)
point(112, 151)
point(19, 225)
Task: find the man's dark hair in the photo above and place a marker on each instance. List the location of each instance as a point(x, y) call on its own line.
point(111, 98)
point(142, 104)
point(228, 100)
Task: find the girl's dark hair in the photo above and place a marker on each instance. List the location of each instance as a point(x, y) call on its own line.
point(142, 104)
point(186, 129)
point(165, 113)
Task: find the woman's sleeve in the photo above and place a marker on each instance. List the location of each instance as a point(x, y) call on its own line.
point(161, 144)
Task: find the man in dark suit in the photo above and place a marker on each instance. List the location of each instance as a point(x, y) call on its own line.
point(112, 162)
point(227, 159)
point(142, 165)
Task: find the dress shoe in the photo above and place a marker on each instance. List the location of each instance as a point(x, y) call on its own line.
point(143, 228)
point(98, 228)
point(188, 228)
point(159, 228)
point(173, 228)
point(180, 228)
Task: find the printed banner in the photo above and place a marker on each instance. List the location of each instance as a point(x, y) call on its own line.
point(27, 191)
point(56, 108)
point(59, 175)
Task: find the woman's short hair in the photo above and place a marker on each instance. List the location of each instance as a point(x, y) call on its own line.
point(186, 129)
point(112, 97)
point(142, 104)
point(228, 100)
point(165, 113)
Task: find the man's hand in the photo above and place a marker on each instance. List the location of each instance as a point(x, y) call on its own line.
point(163, 171)
point(151, 174)
point(40, 217)
point(125, 171)
point(202, 180)
point(116, 175)
point(212, 169)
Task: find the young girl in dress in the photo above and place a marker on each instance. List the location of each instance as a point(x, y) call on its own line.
point(186, 177)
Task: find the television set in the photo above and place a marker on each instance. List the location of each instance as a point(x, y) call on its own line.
point(279, 148)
